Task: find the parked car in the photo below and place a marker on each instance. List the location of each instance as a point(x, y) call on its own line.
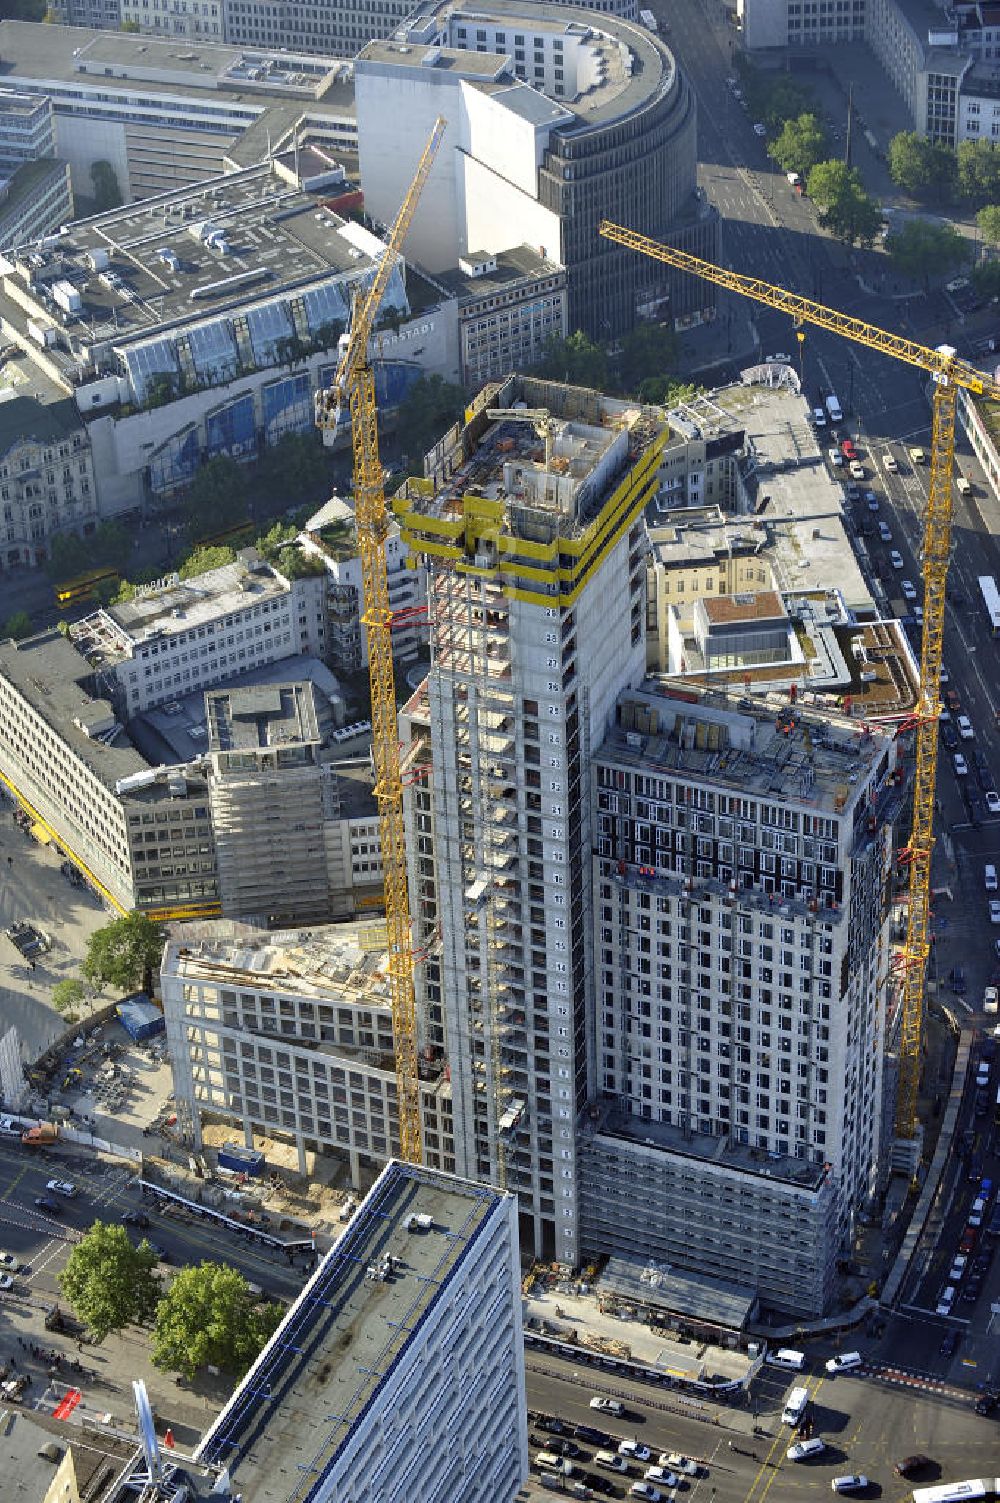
point(960, 765)
point(49, 1204)
point(835, 457)
point(908, 589)
point(910, 1465)
point(853, 1482)
point(61, 1187)
point(634, 1450)
point(993, 801)
point(964, 725)
point(896, 559)
point(589, 1433)
point(843, 1362)
point(135, 1218)
point(680, 1463)
point(994, 910)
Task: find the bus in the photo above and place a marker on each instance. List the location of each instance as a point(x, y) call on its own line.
point(958, 1492)
point(83, 587)
point(991, 599)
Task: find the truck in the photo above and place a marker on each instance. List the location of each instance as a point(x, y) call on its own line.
point(37, 1137)
point(834, 409)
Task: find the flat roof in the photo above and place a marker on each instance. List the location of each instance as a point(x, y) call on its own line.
point(49, 673)
point(280, 1433)
point(259, 717)
point(186, 603)
point(765, 605)
point(520, 264)
point(678, 1291)
point(789, 754)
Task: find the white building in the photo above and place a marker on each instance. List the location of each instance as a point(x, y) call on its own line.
point(291, 1033)
point(400, 1367)
point(47, 483)
point(177, 635)
point(536, 592)
point(195, 20)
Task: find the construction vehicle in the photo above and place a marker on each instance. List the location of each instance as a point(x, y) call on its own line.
point(40, 1136)
point(352, 392)
point(948, 373)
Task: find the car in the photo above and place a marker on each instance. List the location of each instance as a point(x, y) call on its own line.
point(987, 1402)
point(871, 501)
point(918, 614)
point(679, 1463)
point(544, 1421)
point(634, 1450)
point(644, 1490)
point(853, 1482)
point(61, 1187)
point(135, 1218)
point(963, 486)
point(896, 559)
point(48, 1203)
point(7, 1260)
point(958, 1266)
point(606, 1406)
point(889, 463)
point(803, 1449)
point(948, 1348)
point(964, 725)
point(977, 1212)
point(918, 456)
point(945, 1300)
point(981, 1265)
point(986, 1188)
point(848, 450)
point(960, 765)
point(611, 1462)
point(995, 910)
point(885, 532)
point(835, 457)
point(856, 470)
point(996, 948)
point(949, 736)
point(944, 677)
point(843, 1362)
point(968, 1242)
point(908, 588)
point(973, 1289)
point(759, 129)
point(992, 800)
point(589, 1433)
point(662, 1476)
point(911, 1464)
point(566, 1448)
point(990, 880)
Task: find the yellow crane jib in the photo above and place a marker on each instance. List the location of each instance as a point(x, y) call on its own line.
point(948, 373)
point(354, 387)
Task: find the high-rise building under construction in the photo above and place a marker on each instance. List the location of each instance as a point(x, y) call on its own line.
point(531, 523)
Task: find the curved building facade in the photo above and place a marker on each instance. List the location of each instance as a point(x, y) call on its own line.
point(557, 118)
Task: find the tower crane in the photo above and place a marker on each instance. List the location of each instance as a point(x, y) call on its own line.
point(353, 388)
point(948, 373)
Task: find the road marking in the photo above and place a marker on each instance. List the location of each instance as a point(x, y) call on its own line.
point(14, 1184)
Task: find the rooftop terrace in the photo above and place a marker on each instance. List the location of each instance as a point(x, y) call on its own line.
point(282, 1430)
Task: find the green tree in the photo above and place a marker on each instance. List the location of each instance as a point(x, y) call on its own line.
point(576, 360)
point(295, 466)
point(107, 194)
point(986, 279)
point(649, 350)
point(978, 171)
point(925, 248)
point(927, 169)
point(846, 210)
point(17, 626)
point(666, 391)
point(68, 997)
point(201, 559)
point(426, 413)
point(208, 1316)
point(108, 544)
point(988, 220)
point(124, 953)
point(801, 144)
point(294, 563)
point(109, 1283)
point(217, 496)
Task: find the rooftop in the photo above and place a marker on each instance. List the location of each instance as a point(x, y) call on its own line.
point(345, 963)
point(344, 1335)
point(33, 1445)
point(120, 288)
point(677, 1291)
point(50, 673)
point(513, 267)
point(819, 761)
point(722, 610)
point(260, 717)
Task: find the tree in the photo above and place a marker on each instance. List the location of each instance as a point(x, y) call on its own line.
point(107, 194)
point(665, 391)
point(986, 279)
point(576, 360)
point(988, 220)
point(295, 466)
point(922, 167)
point(801, 144)
point(649, 350)
point(426, 413)
point(217, 496)
point(17, 626)
point(201, 559)
point(846, 210)
point(109, 1283)
point(124, 953)
point(978, 171)
point(209, 1316)
point(925, 248)
point(68, 997)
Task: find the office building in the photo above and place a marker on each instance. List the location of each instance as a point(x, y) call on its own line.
point(176, 636)
point(339, 30)
point(26, 129)
point(535, 556)
point(47, 483)
point(741, 953)
point(290, 1032)
point(400, 1367)
point(211, 335)
point(193, 20)
point(34, 201)
point(141, 835)
point(558, 118)
point(331, 537)
point(510, 304)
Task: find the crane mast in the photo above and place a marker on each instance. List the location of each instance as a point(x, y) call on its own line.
point(353, 386)
point(948, 373)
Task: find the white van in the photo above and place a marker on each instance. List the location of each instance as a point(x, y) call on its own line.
point(786, 1357)
point(795, 1406)
point(843, 1362)
point(548, 1461)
